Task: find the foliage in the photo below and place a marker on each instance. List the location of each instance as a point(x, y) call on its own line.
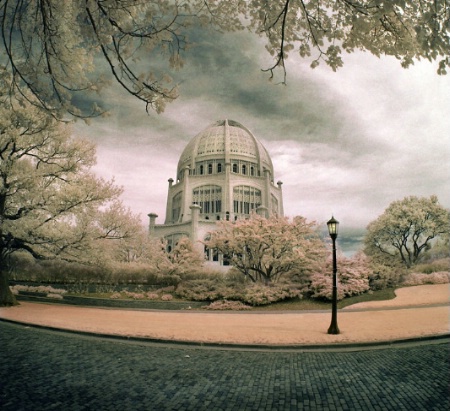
point(266, 249)
point(55, 48)
point(353, 278)
point(38, 289)
point(406, 230)
point(442, 277)
point(51, 204)
point(384, 276)
point(214, 289)
point(407, 30)
point(259, 294)
point(442, 264)
point(223, 305)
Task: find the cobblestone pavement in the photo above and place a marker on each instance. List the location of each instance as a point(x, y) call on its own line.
point(45, 370)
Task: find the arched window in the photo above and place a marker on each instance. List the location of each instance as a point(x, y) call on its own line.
point(219, 168)
point(252, 171)
point(210, 168)
point(201, 169)
point(235, 168)
point(244, 169)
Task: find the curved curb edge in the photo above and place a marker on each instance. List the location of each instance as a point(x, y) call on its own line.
point(337, 347)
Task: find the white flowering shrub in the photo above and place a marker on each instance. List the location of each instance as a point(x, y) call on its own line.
point(44, 289)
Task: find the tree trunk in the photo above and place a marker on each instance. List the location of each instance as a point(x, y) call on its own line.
point(6, 296)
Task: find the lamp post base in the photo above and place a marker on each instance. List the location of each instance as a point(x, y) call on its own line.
point(333, 329)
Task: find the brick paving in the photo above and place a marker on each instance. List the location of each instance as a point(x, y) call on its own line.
point(46, 370)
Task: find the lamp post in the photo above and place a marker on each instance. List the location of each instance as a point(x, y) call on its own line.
point(333, 225)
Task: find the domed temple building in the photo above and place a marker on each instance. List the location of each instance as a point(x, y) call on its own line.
point(224, 173)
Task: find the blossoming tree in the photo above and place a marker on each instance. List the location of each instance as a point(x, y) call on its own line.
point(266, 249)
point(407, 229)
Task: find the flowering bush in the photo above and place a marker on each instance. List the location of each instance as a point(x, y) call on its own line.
point(207, 289)
point(250, 293)
point(258, 294)
point(135, 296)
point(152, 296)
point(167, 297)
point(115, 296)
point(442, 277)
point(353, 278)
point(227, 305)
point(45, 289)
point(55, 296)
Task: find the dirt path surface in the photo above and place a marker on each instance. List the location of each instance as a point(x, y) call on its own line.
point(419, 311)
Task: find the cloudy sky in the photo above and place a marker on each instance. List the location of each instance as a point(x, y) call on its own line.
point(345, 143)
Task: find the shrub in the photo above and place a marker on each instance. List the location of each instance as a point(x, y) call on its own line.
point(442, 277)
point(135, 296)
point(152, 296)
point(115, 296)
point(258, 294)
point(439, 265)
point(167, 297)
point(227, 305)
point(55, 296)
point(44, 289)
point(249, 293)
point(207, 289)
point(384, 276)
point(353, 278)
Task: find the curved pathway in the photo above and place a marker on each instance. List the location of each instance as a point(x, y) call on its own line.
point(417, 312)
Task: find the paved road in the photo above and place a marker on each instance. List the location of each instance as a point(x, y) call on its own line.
point(46, 370)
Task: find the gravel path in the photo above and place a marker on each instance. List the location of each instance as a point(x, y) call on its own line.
point(416, 312)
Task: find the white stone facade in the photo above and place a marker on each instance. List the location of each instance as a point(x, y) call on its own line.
point(224, 173)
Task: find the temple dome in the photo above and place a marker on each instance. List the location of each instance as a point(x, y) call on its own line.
point(227, 140)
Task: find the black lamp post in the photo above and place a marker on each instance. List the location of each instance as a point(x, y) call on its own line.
point(333, 225)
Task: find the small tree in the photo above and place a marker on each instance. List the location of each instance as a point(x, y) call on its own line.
point(406, 230)
point(265, 249)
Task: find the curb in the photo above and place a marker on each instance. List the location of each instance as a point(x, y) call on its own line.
point(338, 347)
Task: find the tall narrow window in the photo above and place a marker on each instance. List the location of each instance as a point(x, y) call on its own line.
point(210, 168)
point(209, 198)
point(244, 169)
point(246, 199)
point(201, 169)
point(235, 168)
point(219, 168)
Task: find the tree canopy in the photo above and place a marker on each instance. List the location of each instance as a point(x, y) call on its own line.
point(51, 204)
point(58, 49)
point(406, 229)
point(265, 249)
